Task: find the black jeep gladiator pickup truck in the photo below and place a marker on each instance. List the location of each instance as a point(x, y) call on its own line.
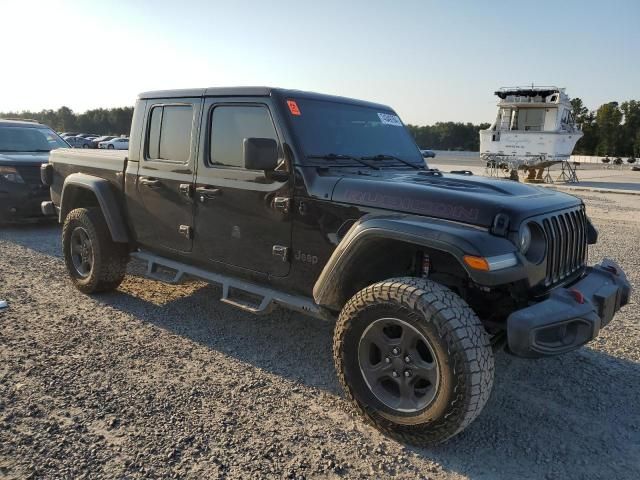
point(325, 205)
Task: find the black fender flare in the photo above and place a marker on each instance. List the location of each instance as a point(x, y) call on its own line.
point(454, 238)
point(107, 200)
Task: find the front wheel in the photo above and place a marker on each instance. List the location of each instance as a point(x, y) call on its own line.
point(110, 146)
point(414, 359)
point(94, 261)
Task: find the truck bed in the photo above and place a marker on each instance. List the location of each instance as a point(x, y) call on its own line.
point(105, 164)
point(96, 158)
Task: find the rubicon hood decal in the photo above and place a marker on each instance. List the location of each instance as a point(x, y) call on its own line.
point(425, 206)
point(474, 200)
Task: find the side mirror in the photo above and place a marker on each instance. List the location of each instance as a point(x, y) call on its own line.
point(260, 154)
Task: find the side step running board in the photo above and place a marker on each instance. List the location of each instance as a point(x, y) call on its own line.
point(265, 297)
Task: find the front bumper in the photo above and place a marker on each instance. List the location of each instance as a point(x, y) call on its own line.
point(21, 201)
point(571, 316)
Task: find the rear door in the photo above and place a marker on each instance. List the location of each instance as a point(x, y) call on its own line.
point(238, 219)
point(165, 177)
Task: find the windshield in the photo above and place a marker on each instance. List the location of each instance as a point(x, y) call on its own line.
point(324, 127)
point(29, 139)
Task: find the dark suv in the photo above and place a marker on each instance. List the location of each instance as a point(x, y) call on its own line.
point(24, 147)
point(324, 205)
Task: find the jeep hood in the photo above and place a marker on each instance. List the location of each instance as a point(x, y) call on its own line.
point(464, 198)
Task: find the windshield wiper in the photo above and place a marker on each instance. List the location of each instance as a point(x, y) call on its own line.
point(391, 157)
point(340, 156)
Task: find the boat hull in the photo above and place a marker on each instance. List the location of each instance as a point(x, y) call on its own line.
point(527, 148)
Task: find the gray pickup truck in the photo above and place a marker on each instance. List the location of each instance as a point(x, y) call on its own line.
point(325, 205)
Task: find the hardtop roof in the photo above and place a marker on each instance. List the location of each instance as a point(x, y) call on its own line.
point(254, 92)
point(21, 123)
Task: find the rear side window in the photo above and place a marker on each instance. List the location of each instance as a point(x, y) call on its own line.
point(170, 133)
point(153, 148)
point(230, 125)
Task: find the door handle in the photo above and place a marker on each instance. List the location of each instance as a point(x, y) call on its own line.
point(207, 193)
point(149, 181)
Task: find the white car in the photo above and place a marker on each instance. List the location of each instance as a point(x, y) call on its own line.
point(115, 143)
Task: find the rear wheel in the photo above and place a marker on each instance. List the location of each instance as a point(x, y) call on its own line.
point(414, 359)
point(94, 261)
point(110, 146)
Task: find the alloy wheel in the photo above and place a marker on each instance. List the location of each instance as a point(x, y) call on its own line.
point(81, 252)
point(398, 365)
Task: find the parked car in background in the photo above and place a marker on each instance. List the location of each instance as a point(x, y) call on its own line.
point(78, 142)
point(24, 147)
point(104, 138)
point(115, 144)
point(428, 153)
point(87, 135)
point(68, 134)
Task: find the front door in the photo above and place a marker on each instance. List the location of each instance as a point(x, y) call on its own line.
point(239, 216)
point(166, 173)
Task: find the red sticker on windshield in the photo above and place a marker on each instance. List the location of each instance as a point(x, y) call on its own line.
point(293, 107)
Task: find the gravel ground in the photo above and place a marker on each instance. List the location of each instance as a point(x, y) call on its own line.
point(164, 381)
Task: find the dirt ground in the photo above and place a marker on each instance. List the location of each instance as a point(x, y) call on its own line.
point(164, 381)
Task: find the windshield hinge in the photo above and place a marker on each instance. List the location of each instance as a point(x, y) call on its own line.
point(282, 204)
point(186, 189)
point(186, 231)
point(281, 251)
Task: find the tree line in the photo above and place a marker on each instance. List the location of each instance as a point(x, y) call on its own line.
point(103, 121)
point(448, 136)
point(613, 129)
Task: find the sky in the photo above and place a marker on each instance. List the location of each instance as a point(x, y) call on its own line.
point(430, 60)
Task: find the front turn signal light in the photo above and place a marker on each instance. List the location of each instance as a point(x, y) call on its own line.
point(477, 263)
point(490, 264)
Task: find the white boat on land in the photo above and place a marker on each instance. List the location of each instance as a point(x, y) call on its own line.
point(534, 128)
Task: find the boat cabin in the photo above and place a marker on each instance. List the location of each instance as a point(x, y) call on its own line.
point(534, 126)
point(533, 109)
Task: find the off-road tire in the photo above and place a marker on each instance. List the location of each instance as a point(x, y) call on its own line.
point(460, 343)
point(109, 258)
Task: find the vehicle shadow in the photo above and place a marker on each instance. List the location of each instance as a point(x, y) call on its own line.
point(544, 414)
point(283, 342)
point(541, 412)
point(42, 236)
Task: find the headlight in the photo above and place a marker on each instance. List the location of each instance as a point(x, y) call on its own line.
point(532, 242)
point(10, 174)
point(524, 239)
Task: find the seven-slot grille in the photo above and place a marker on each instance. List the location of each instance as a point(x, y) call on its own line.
point(566, 236)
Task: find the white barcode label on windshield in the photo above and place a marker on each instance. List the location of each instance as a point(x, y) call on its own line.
point(389, 119)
